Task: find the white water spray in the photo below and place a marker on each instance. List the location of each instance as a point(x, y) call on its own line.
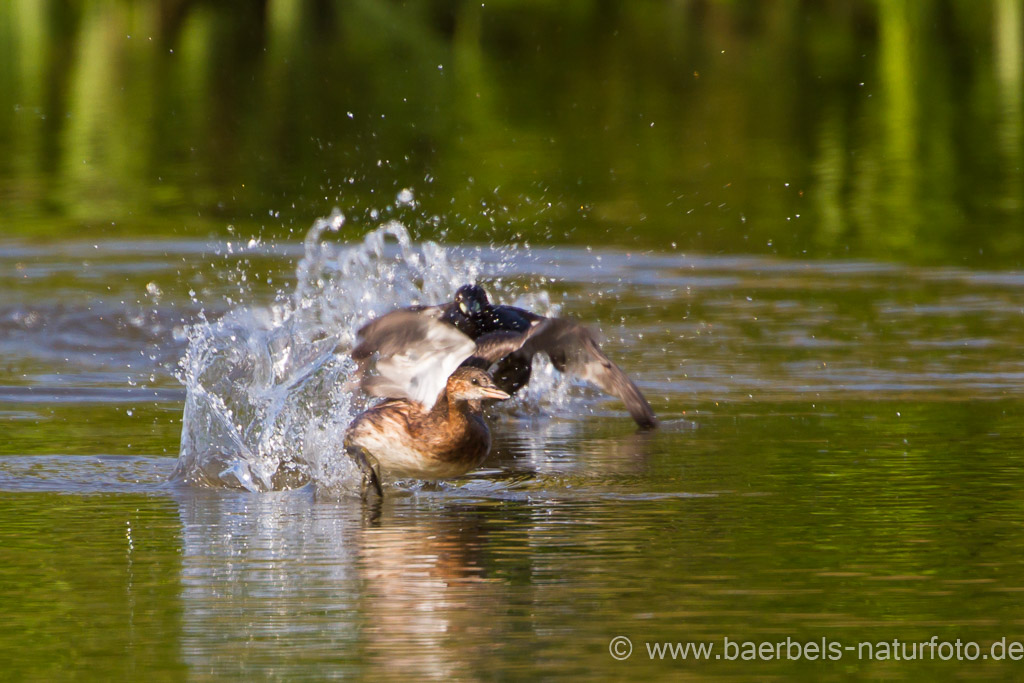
point(269, 390)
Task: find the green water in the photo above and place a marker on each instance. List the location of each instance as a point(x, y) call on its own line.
point(766, 522)
point(797, 224)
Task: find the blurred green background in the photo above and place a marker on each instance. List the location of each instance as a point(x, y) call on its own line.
point(878, 129)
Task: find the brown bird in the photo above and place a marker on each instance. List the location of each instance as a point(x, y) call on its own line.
point(410, 343)
point(404, 438)
point(431, 427)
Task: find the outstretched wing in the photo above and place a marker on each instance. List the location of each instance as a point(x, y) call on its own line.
point(493, 346)
point(415, 352)
point(393, 332)
point(573, 348)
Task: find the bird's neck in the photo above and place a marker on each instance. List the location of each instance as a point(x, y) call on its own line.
point(456, 426)
point(454, 410)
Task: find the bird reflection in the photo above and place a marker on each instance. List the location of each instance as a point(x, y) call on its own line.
point(269, 580)
point(430, 606)
point(410, 587)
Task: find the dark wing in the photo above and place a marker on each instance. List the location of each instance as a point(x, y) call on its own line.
point(573, 348)
point(415, 352)
point(511, 318)
point(493, 346)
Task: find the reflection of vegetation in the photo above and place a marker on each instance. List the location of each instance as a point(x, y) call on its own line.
point(880, 128)
point(71, 429)
point(90, 587)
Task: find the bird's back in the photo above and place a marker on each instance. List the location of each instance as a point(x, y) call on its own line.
point(494, 319)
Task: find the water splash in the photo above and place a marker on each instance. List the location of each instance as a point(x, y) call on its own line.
point(269, 389)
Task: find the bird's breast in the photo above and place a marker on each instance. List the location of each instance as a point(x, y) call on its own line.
point(406, 443)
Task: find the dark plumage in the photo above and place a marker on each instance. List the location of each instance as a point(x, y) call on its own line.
point(405, 438)
point(504, 337)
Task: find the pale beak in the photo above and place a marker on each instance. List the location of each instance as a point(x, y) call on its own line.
point(493, 392)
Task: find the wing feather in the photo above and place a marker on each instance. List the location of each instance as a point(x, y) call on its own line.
point(573, 348)
point(415, 353)
point(493, 346)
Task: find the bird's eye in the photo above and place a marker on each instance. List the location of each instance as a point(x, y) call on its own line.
point(475, 382)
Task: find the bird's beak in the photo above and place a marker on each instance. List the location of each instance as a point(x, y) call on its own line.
point(493, 392)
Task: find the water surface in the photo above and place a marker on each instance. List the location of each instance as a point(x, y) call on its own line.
point(796, 224)
point(839, 457)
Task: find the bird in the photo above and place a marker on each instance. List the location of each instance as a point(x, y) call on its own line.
point(506, 340)
point(430, 426)
point(407, 439)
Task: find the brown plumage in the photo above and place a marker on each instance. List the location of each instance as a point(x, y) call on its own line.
point(404, 438)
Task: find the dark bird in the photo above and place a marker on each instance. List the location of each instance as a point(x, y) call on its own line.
point(505, 339)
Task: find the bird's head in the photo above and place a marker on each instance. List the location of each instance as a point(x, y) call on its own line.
point(473, 384)
point(472, 300)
